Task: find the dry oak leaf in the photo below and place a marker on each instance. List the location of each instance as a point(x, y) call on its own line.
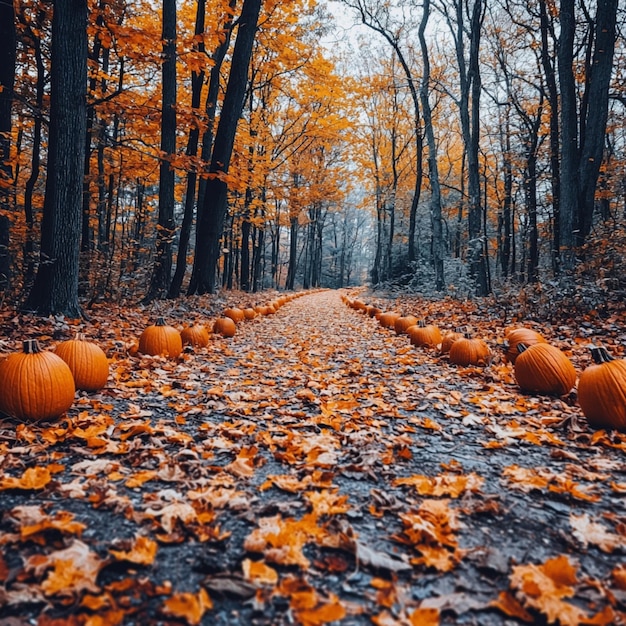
point(544, 587)
point(32, 479)
point(588, 532)
point(73, 570)
point(190, 607)
point(142, 551)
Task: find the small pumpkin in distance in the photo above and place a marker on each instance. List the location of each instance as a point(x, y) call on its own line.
point(424, 335)
point(403, 323)
point(388, 319)
point(249, 313)
point(224, 326)
point(602, 391)
point(449, 338)
point(235, 313)
point(35, 384)
point(543, 368)
point(515, 336)
point(160, 338)
point(196, 335)
point(87, 362)
point(373, 311)
point(469, 351)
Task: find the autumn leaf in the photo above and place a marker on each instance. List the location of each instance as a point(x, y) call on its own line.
point(32, 479)
point(588, 532)
point(190, 607)
point(544, 588)
point(142, 551)
point(259, 573)
point(425, 617)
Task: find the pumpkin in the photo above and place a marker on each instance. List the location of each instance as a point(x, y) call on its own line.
point(388, 319)
point(469, 351)
point(602, 391)
point(196, 335)
point(160, 338)
point(35, 384)
point(249, 313)
point(516, 336)
point(235, 313)
point(423, 334)
point(373, 311)
point(225, 326)
point(403, 323)
point(87, 362)
point(543, 368)
point(449, 338)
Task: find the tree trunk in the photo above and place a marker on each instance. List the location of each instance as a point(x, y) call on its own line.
point(162, 268)
point(592, 140)
point(433, 168)
point(569, 137)
point(211, 219)
point(55, 290)
point(197, 79)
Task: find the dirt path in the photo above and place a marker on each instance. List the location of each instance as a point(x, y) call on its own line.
point(314, 468)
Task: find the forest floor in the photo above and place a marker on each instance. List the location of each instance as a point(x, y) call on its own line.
point(315, 468)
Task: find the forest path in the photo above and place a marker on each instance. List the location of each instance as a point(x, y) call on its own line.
point(314, 468)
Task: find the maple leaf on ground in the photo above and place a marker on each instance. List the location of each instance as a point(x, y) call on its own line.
point(544, 587)
point(32, 479)
point(259, 573)
point(588, 532)
point(452, 485)
point(190, 607)
point(425, 617)
point(142, 551)
point(310, 609)
point(72, 570)
point(32, 521)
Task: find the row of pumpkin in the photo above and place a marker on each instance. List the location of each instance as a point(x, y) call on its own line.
point(38, 384)
point(539, 367)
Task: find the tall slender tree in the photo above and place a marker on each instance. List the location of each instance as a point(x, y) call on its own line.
point(215, 206)
point(7, 81)
point(162, 267)
point(55, 290)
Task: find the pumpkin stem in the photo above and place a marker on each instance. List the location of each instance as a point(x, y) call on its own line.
point(421, 323)
point(461, 329)
point(80, 337)
point(600, 354)
point(521, 347)
point(30, 346)
point(160, 321)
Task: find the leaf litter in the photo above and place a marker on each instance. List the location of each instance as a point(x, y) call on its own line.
point(316, 468)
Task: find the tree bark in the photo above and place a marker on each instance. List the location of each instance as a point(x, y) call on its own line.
point(162, 268)
point(433, 168)
point(197, 79)
point(211, 219)
point(55, 290)
point(7, 82)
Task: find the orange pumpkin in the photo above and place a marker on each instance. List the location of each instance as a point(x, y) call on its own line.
point(373, 311)
point(160, 338)
point(602, 391)
point(543, 368)
point(35, 384)
point(515, 336)
point(196, 335)
point(249, 313)
point(403, 323)
point(87, 362)
point(225, 326)
point(449, 338)
point(235, 313)
point(388, 319)
point(469, 351)
point(423, 334)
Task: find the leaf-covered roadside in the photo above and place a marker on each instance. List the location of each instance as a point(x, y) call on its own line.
point(315, 468)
